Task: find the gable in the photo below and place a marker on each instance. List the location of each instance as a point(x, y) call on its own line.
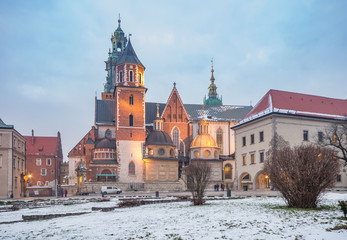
point(78, 149)
point(174, 110)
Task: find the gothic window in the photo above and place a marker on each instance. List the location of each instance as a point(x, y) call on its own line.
point(176, 137)
point(120, 76)
point(220, 140)
point(131, 76)
point(131, 120)
point(131, 100)
point(108, 133)
point(131, 168)
point(140, 78)
point(227, 171)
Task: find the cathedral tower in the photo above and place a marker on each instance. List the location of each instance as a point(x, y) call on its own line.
point(119, 41)
point(129, 96)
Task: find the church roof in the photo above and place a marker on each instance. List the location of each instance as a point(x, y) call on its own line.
point(42, 145)
point(159, 138)
point(104, 112)
point(290, 103)
point(129, 56)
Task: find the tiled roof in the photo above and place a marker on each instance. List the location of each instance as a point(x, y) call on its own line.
point(291, 103)
point(129, 56)
point(4, 125)
point(42, 145)
point(104, 112)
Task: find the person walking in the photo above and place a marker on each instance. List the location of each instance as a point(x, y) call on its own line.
point(66, 192)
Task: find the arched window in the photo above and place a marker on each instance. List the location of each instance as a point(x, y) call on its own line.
point(220, 140)
point(176, 137)
point(131, 100)
point(108, 133)
point(131, 76)
point(228, 171)
point(120, 76)
point(119, 45)
point(140, 78)
point(131, 168)
point(131, 120)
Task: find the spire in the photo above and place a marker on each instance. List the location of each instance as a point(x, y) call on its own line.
point(213, 98)
point(157, 110)
point(129, 56)
point(119, 20)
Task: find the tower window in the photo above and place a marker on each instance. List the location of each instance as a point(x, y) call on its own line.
point(131, 168)
point(131, 120)
point(131, 100)
point(140, 78)
point(120, 76)
point(131, 76)
point(119, 47)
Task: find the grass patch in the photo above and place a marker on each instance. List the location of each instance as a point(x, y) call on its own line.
point(320, 208)
point(338, 227)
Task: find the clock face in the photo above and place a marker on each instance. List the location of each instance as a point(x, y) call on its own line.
point(161, 151)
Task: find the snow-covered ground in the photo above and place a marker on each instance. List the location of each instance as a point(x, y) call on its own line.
point(249, 218)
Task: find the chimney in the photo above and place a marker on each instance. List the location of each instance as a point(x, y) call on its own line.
point(32, 137)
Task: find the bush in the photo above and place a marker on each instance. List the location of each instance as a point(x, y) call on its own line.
point(343, 206)
point(301, 173)
point(130, 203)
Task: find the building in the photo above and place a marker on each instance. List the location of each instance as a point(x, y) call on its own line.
point(12, 162)
point(138, 143)
point(298, 118)
point(44, 156)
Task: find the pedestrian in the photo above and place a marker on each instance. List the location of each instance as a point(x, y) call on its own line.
point(215, 188)
point(217, 185)
point(222, 186)
point(62, 192)
point(66, 192)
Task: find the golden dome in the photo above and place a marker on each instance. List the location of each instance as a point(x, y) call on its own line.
point(203, 140)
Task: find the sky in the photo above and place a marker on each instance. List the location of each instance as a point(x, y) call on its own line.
point(52, 54)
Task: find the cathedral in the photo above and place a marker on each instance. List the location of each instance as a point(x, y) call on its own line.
point(143, 145)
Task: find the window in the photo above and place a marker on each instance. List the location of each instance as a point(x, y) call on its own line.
point(15, 182)
point(261, 157)
point(252, 158)
point(140, 78)
point(150, 151)
point(320, 136)
point(305, 135)
point(48, 162)
point(339, 178)
point(207, 153)
point(197, 154)
point(261, 136)
point(131, 168)
point(14, 163)
point(176, 137)
point(43, 172)
point(46, 183)
point(0, 139)
point(119, 46)
point(131, 100)
point(131, 76)
point(252, 138)
point(244, 160)
point(131, 120)
point(38, 183)
point(161, 151)
point(120, 76)
point(227, 171)
point(0, 161)
point(220, 140)
point(38, 161)
point(243, 141)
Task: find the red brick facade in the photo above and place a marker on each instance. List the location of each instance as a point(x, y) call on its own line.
point(44, 156)
point(175, 115)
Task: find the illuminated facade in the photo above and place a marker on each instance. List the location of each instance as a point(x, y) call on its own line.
point(139, 144)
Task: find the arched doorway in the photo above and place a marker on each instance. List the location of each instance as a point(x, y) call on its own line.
point(262, 181)
point(246, 182)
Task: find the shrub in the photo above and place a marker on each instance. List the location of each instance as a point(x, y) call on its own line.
point(343, 206)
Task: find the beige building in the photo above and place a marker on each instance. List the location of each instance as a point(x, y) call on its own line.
point(298, 118)
point(12, 162)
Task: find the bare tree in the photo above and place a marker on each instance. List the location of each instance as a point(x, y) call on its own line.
point(197, 177)
point(301, 173)
point(335, 136)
